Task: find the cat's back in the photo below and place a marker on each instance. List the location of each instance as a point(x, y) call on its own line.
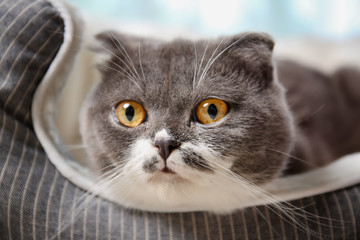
point(326, 109)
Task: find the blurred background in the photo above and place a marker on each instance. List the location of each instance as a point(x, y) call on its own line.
point(330, 19)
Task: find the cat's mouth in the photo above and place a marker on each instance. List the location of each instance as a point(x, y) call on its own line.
point(165, 174)
point(167, 170)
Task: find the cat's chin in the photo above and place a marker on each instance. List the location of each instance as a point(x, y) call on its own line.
point(163, 176)
point(164, 192)
point(168, 188)
point(166, 184)
point(169, 197)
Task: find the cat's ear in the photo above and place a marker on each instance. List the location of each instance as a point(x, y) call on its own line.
point(252, 52)
point(115, 51)
point(113, 42)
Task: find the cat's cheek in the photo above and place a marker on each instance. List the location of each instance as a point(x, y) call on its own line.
point(214, 159)
point(140, 154)
point(176, 163)
point(191, 176)
point(142, 148)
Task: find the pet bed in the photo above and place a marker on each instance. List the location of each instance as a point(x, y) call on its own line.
point(41, 186)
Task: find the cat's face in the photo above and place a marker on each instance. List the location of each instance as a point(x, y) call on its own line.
point(186, 126)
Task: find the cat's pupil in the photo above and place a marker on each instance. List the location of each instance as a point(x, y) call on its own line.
point(129, 113)
point(212, 111)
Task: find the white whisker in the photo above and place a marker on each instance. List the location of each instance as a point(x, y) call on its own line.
point(207, 67)
point(286, 208)
point(86, 199)
point(202, 58)
point(195, 67)
point(290, 156)
point(210, 59)
point(126, 56)
point(141, 67)
point(131, 77)
point(125, 75)
point(271, 199)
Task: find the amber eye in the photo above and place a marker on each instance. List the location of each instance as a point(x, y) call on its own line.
point(130, 113)
point(211, 111)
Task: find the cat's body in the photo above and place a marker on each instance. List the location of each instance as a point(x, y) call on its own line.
point(326, 109)
point(171, 160)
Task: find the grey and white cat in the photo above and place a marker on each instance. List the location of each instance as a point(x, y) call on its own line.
point(182, 125)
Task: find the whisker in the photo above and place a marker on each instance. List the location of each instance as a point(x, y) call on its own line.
point(115, 165)
point(123, 69)
point(207, 64)
point(126, 56)
point(213, 60)
point(124, 72)
point(202, 58)
point(253, 189)
point(291, 156)
point(141, 67)
point(88, 197)
point(127, 183)
point(266, 219)
point(319, 109)
point(272, 199)
point(123, 52)
point(195, 67)
point(131, 79)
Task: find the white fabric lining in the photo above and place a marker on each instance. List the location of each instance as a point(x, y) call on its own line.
point(46, 95)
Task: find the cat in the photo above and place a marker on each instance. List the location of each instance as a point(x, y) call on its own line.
point(172, 124)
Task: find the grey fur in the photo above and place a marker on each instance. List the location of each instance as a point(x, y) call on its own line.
point(194, 160)
point(169, 86)
point(149, 165)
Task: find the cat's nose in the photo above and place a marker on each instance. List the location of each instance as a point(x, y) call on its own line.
point(166, 146)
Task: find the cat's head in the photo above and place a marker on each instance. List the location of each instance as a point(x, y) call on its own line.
point(186, 125)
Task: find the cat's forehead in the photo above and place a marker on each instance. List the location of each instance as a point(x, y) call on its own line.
point(184, 69)
point(181, 72)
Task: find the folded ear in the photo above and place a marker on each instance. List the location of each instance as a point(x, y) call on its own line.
point(115, 41)
point(252, 52)
point(116, 51)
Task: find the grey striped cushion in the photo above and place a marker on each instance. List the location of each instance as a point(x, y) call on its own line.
point(36, 202)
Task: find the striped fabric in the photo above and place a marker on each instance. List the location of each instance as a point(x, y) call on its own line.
point(37, 202)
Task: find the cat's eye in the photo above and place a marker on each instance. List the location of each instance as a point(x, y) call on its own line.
point(130, 113)
point(211, 111)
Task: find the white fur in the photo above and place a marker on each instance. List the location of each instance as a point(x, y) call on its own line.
point(162, 134)
point(187, 190)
